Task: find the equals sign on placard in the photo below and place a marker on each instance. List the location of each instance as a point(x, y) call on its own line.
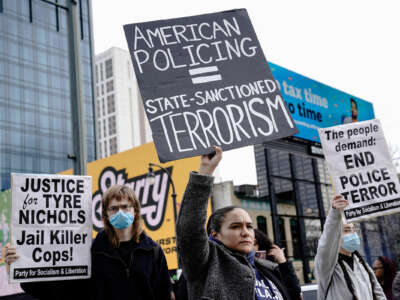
point(202, 75)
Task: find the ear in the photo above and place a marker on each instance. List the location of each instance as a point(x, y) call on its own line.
point(214, 234)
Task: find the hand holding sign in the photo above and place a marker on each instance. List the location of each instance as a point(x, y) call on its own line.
point(51, 226)
point(208, 165)
point(338, 202)
point(361, 168)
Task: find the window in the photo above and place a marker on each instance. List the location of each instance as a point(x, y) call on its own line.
point(109, 68)
point(113, 145)
point(98, 109)
point(104, 131)
point(112, 126)
point(102, 89)
point(101, 72)
point(97, 74)
point(110, 86)
point(105, 148)
point(262, 224)
point(110, 104)
point(103, 106)
point(99, 129)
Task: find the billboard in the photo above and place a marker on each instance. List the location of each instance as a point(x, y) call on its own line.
point(131, 168)
point(314, 105)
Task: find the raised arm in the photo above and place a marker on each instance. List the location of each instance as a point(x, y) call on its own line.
point(329, 244)
point(192, 238)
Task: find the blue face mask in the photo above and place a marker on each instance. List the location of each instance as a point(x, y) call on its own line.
point(351, 242)
point(121, 219)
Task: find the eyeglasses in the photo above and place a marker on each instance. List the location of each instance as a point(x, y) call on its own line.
point(116, 208)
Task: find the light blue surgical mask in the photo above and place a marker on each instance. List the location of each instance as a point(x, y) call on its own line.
point(122, 220)
point(351, 242)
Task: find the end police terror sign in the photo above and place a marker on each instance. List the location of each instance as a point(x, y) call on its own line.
point(361, 168)
point(204, 81)
point(51, 227)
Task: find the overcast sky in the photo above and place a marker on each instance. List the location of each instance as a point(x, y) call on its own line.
point(351, 45)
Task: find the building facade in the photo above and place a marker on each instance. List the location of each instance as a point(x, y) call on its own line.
point(35, 106)
point(120, 119)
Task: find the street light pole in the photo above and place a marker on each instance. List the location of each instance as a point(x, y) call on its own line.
point(151, 165)
point(77, 107)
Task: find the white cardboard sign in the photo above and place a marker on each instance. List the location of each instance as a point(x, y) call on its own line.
point(51, 227)
point(361, 168)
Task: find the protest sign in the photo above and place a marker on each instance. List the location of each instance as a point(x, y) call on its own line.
point(204, 81)
point(51, 227)
point(361, 168)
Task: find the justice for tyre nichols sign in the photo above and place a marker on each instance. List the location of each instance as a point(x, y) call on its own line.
point(361, 168)
point(51, 227)
point(204, 81)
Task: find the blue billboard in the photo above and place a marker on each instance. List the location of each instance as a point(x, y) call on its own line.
point(315, 105)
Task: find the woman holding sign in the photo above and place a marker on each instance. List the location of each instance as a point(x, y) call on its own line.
point(340, 270)
point(222, 265)
point(126, 263)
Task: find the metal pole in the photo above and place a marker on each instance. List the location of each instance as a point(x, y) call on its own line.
point(173, 188)
point(272, 198)
point(77, 105)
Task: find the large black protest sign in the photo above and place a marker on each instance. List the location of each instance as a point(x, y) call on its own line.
point(51, 227)
point(361, 168)
point(204, 81)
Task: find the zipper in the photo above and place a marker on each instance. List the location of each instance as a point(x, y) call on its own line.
point(127, 268)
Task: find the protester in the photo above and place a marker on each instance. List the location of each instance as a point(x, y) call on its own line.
point(222, 265)
point(126, 263)
point(340, 270)
point(396, 287)
point(277, 255)
point(385, 271)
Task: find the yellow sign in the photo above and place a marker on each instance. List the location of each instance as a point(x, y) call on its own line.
point(131, 168)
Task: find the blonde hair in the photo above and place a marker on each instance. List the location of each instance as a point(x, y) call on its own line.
point(119, 192)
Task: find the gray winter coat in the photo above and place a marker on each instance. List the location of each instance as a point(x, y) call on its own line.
point(213, 271)
point(327, 267)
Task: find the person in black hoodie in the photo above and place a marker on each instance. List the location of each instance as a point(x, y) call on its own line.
point(126, 263)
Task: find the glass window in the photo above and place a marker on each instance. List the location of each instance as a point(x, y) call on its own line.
point(294, 231)
point(313, 232)
point(15, 114)
point(110, 86)
point(308, 198)
point(42, 57)
point(44, 122)
point(112, 126)
point(44, 143)
point(45, 165)
point(16, 138)
point(13, 49)
point(279, 161)
point(29, 97)
point(28, 74)
point(110, 104)
point(29, 118)
point(16, 162)
point(303, 168)
point(262, 224)
point(113, 145)
point(109, 68)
